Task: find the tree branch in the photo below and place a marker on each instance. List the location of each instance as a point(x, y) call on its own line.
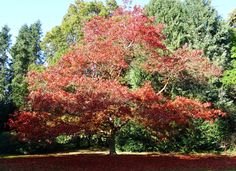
point(167, 82)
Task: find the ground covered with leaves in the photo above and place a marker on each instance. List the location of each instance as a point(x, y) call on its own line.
point(97, 162)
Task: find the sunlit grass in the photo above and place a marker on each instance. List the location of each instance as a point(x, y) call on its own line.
point(230, 153)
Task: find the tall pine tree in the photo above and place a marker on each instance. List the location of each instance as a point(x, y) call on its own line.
point(5, 41)
point(25, 52)
point(229, 78)
point(4, 59)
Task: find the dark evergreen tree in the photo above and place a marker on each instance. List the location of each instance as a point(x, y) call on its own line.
point(25, 52)
point(5, 40)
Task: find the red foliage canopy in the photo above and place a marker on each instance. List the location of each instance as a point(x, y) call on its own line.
point(83, 92)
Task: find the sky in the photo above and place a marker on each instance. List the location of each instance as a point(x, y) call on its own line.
point(16, 13)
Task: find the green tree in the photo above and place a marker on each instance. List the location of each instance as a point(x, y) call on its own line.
point(170, 13)
point(25, 52)
point(229, 77)
point(194, 22)
point(61, 38)
point(197, 24)
point(4, 59)
point(232, 18)
point(5, 41)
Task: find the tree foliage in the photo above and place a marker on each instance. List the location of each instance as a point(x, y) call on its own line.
point(197, 24)
point(232, 18)
point(25, 52)
point(4, 60)
point(229, 76)
point(5, 40)
point(84, 92)
point(194, 22)
point(61, 38)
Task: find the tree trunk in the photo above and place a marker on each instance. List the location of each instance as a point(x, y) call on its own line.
point(112, 143)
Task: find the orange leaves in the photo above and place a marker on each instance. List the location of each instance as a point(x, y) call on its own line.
point(29, 124)
point(196, 109)
point(180, 110)
point(182, 64)
point(112, 40)
point(146, 94)
point(196, 64)
point(42, 125)
point(83, 91)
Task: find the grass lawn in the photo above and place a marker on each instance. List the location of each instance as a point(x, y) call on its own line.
point(127, 162)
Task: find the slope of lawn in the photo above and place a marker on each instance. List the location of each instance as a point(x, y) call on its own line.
point(127, 162)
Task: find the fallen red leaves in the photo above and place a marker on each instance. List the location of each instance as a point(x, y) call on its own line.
point(97, 162)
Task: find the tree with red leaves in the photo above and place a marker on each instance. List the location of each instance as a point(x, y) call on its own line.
point(84, 92)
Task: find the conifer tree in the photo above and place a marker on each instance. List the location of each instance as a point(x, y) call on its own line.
point(229, 78)
point(193, 22)
point(25, 52)
point(4, 59)
point(5, 40)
